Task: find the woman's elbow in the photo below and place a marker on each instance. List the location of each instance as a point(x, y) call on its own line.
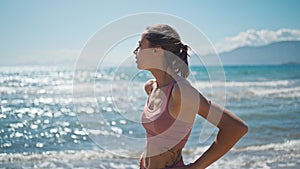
point(242, 129)
point(233, 125)
point(238, 128)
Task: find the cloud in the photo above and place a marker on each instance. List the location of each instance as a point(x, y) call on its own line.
point(257, 38)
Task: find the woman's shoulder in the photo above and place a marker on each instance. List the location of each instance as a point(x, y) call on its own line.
point(182, 86)
point(148, 86)
point(187, 97)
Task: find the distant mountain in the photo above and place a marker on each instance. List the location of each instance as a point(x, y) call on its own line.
point(284, 52)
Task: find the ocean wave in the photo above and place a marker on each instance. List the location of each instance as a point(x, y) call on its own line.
point(284, 92)
point(64, 155)
point(216, 84)
point(273, 155)
point(289, 145)
point(67, 159)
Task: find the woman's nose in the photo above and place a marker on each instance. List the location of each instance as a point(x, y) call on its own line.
point(136, 50)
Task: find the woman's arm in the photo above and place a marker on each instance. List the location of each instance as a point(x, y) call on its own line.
point(231, 127)
point(148, 86)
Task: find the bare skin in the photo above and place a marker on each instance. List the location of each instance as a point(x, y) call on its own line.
point(185, 103)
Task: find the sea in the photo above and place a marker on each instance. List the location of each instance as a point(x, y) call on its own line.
point(62, 117)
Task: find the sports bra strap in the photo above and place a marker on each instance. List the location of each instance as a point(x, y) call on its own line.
point(170, 87)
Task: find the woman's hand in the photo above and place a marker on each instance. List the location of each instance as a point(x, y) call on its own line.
point(141, 160)
point(190, 166)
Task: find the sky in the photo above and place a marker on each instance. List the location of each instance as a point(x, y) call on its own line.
point(55, 31)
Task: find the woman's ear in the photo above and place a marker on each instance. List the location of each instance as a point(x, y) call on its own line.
point(158, 50)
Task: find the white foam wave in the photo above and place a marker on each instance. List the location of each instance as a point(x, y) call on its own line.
point(65, 155)
point(216, 84)
point(67, 159)
point(279, 89)
point(285, 155)
point(286, 146)
point(293, 145)
point(284, 92)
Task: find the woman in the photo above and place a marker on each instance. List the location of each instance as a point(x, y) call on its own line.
point(173, 104)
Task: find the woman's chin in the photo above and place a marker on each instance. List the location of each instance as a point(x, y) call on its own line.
point(140, 66)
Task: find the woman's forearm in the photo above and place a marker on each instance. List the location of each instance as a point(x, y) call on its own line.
point(231, 130)
point(220, 146)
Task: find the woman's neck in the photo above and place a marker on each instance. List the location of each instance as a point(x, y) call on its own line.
point(162, 78)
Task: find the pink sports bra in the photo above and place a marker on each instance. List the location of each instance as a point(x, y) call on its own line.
point(162, 129)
